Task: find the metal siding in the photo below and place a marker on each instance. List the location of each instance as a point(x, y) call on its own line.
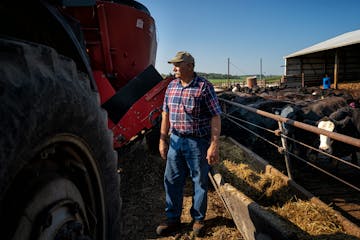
point(342, 40)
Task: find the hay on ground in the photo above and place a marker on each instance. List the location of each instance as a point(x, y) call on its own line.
point(273, 193)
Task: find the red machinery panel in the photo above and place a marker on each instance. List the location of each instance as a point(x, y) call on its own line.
point(129, 40)
point(141, 116)
point(120, 39)
point(121, 44)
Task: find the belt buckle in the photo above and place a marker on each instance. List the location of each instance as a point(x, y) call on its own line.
point(180, 134)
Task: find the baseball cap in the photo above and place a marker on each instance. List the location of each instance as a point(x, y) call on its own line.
point(182, 56)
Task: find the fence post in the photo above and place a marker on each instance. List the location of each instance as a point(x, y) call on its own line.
point(286, 155)
point(302, 79)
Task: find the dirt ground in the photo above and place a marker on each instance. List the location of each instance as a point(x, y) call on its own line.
point(144, 201)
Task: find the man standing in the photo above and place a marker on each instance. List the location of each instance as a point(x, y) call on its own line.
point(191, 114)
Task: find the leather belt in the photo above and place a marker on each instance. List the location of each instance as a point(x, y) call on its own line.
point(188, 135)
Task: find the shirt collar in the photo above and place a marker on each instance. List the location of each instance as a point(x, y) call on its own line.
point(193, 82)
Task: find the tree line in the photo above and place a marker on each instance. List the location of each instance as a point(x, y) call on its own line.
point(216, 75)
point(225, 76)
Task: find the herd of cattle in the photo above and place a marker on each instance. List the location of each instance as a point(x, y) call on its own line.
point(332, 110)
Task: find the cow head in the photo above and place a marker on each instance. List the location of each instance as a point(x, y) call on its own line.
point(287, 112)
point(325, 141)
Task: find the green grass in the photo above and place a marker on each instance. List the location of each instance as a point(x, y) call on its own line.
point(242, 81)
point(225, 81)
point(273, 79)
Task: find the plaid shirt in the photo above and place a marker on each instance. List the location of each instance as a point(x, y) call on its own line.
point(191, 108)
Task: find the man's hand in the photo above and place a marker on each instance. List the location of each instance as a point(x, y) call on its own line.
point(164, 136)
point(213, 151)
point(213, 154)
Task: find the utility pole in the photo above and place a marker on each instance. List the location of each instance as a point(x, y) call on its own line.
point(260, 69)
point(228, 77)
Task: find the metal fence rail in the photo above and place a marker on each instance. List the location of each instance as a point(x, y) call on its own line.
point(283, 149)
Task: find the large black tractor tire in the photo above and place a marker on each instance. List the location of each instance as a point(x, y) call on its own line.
point(58, 177)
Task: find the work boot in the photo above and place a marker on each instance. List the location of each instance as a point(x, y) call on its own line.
point(199, 228)
point(168, 227)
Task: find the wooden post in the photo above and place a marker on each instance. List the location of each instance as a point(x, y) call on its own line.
point(302, 79)
point(336, 69)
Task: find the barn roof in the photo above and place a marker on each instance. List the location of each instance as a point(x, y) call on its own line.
point(342, 40)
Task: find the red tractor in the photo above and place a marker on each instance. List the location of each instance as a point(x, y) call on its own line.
point(77, 83)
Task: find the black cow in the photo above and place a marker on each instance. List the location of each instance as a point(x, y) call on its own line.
point(253, 142)
point(241, 113)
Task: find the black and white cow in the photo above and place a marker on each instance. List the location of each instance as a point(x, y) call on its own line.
point(345, 121)
point(308, 113)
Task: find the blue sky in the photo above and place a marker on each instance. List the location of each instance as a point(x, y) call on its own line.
point(246, 31)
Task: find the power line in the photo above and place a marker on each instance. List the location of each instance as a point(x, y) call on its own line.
point(238, 68)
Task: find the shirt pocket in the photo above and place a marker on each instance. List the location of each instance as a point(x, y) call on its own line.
point(189, 104)
point(192, 103)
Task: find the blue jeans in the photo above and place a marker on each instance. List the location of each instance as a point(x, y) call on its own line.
point(186, 156)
